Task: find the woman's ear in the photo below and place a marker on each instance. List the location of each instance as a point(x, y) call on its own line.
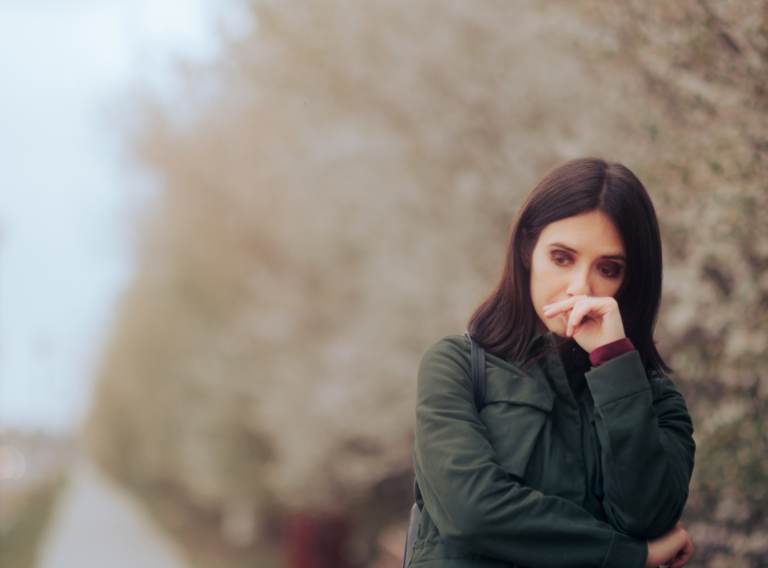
point(525, 258)
point(525, 250)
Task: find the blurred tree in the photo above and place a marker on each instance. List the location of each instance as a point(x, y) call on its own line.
point(338, 196)
point(705, 65)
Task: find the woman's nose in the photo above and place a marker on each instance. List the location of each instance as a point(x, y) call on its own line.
point(580, 284)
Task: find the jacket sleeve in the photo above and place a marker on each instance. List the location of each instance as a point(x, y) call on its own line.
point(475, 505)
point(647, 446)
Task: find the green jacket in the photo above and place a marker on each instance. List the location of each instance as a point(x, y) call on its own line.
point(559, 469)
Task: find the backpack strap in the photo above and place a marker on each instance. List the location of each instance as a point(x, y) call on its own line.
point(410, 536)
point(478, 390)
point(478, 373)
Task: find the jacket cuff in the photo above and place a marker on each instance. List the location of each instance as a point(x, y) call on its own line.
point(609, 351)
point(618, 378)
point(626, 552)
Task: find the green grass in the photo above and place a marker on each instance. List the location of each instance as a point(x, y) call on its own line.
point(19, 544)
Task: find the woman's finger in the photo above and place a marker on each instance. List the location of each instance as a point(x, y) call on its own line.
point(557, 308)
point(552, 310)
point(683, 556)
point(581, 310)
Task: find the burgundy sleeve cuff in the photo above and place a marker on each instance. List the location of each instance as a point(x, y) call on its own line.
point(609, 351)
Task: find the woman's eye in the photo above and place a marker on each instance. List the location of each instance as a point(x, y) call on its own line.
point(560, 260)
point(610, 270)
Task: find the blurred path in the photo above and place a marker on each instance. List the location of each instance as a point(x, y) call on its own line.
point(97, 525)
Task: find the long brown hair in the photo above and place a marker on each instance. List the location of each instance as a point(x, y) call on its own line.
point(504, 323)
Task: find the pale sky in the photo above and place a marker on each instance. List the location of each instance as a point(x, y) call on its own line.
point(67, 192)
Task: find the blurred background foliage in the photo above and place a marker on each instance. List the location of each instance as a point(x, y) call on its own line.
point(336, 196)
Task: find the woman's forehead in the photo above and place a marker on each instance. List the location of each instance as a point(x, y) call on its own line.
point(589, 232)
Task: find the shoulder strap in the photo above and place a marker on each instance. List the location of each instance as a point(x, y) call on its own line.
point(410, 536)
point(478, 373)
point(478, 390)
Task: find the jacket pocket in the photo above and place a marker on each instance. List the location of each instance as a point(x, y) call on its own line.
point(516, 409)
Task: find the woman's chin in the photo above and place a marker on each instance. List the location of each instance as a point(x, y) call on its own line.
point(558, 326)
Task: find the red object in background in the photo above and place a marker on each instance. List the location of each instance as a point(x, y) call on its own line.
point(315, 540)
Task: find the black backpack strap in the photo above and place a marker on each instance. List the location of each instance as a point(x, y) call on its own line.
point(410, 536)
point(478, 373)
point(478, 390)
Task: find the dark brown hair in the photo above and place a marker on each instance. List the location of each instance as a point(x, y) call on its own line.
point(504, 323)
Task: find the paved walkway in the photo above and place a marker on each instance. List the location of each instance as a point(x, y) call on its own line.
point(97, 525)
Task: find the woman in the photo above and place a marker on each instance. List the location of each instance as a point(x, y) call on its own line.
point(582, 453)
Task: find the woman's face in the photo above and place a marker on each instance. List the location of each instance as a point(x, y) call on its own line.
point(581, 255)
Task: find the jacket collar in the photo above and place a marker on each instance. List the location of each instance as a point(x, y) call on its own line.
point(539, 342)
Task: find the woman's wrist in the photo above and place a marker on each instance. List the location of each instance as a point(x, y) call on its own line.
point(605, 353)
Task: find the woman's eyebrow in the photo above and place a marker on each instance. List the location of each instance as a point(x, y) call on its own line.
point(562, 246)
point(620, 257)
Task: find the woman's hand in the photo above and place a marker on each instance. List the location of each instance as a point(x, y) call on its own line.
point(592, 322)
point(673, 549)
